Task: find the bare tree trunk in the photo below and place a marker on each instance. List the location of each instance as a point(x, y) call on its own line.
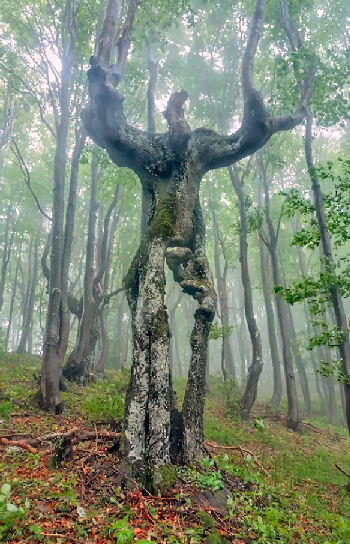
point(304, 383)
point(315, 366)
point(52, 351)
point(227, 363)
point(28, 317)
point(282, 312)
point(170, 167)
point(250, 393)
point(80, 360)
point(337, 302)
point(6, 252)
point(13, 296)
point(276, 368)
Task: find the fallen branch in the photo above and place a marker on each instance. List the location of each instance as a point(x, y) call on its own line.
point(18, 444)
point(242, 451)
point(59, 535)
point(76, 435)
point(309, 425)
point(313, 427)
point(341, 470)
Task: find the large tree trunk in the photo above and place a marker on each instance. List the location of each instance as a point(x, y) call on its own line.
point(282, 311)
point(52, 352)
point(175, 231)
point(337, 302)
point(255, 369)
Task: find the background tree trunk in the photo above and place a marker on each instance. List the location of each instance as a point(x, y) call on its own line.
point(282, 311)
point(28, 317)
point(248, 399)
point(337, 302)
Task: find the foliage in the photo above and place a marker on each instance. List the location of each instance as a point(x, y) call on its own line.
point(10, 513)
point(104, 400)
point(217, 331)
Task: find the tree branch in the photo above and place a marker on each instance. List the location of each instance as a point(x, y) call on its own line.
point(112, 294)
point(106, 233)
point(26, 176)
point(258, 124)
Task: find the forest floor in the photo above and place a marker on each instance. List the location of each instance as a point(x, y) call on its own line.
point(261, 484)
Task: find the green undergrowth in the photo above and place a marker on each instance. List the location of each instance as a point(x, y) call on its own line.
point(285, 487)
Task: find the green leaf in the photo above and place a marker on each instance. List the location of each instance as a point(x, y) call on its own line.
point(6, 490)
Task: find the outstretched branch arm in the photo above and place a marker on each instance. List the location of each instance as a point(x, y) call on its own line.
point(258, 124)
point(247, 77)
point(104, 118)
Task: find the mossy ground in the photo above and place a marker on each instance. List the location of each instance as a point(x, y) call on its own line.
point(288, 491)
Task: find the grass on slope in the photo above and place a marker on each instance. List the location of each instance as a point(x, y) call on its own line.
point(285, 487)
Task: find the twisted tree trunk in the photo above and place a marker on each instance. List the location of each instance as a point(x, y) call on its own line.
point(170, 167)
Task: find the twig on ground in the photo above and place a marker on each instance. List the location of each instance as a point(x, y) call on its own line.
point(341, 470)
point(66, 537)
point(242, 451)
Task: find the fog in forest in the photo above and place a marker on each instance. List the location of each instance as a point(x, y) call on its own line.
point(175, 235)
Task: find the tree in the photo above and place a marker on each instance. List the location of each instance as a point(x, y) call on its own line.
point(255, 369)
point(170, 167)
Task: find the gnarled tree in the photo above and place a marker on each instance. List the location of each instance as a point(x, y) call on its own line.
point(170, 167)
